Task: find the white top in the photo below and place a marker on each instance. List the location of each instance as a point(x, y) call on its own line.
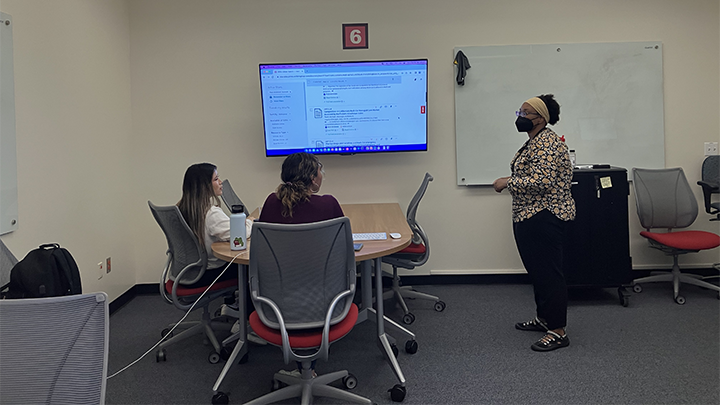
point(217, 229)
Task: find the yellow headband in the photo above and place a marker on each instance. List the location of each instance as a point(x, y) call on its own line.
point(540, 107)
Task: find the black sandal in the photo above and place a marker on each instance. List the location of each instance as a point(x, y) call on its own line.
point(551, 341)
point(535, 325)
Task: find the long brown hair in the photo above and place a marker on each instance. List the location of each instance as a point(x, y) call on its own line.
point(298, 172)
point(197, 197)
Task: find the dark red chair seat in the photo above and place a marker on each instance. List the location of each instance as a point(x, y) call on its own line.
point(305, 339)
point(412, 252)
point(415, 249)
point(685, 240)
point(183, 291)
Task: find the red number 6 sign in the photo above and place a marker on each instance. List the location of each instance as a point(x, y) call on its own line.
point(355, 36)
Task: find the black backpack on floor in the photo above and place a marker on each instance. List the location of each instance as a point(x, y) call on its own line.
point(47, 271)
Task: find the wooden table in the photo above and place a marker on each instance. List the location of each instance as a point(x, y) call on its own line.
point(379, 217)
point(384, 217)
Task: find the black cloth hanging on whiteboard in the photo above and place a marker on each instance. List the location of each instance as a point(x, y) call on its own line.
point(462, 66)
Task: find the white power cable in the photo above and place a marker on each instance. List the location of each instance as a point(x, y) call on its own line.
point(180, 321)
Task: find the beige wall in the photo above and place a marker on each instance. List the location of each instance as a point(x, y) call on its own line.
point(186, 70)
point(73, 126)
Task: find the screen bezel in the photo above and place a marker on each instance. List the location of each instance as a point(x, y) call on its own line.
point(423, 147)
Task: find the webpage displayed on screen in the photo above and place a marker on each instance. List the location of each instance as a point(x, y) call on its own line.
point(344, 107)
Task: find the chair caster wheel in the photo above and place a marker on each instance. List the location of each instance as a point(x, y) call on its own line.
point(166, 333)
point(397, 393)
point(395, 349)
point(244, 359)
point(350, 382)
point(637, 288)
point(225, 353)
point(160, 356)
point(411, 347)
point(439, 306)
point(680, 300)
point(220, 398)
point(214, 358)
point(408, 318)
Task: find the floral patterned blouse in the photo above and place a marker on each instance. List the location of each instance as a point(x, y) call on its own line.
point(541, 178)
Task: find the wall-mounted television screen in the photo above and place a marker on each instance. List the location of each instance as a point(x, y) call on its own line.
point(344, 107)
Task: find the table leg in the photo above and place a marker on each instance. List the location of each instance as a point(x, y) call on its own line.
point(367, 312)
point(241, 346)
point(383, 340)
point(366, 291)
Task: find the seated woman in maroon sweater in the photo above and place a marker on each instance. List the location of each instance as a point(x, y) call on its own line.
point(295, 201)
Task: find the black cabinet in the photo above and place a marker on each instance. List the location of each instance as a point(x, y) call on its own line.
point(597, 243)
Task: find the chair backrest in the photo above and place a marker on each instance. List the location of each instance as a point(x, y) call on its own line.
point(54, 350)
point(711, 169)
point(7, 262)
point(186, 252)
point(302, 268)
point(419, 234)
point(710, 184)
point(230, 198)
point(664, 198)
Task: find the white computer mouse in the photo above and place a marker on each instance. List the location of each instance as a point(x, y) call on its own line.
point(395, 235)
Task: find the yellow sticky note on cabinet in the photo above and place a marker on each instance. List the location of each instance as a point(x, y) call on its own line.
point(605, 182)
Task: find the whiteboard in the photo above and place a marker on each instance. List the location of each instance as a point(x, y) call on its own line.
point(8, 163)
point(610, 96)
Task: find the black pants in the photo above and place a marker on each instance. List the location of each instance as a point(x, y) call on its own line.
point(539, 241)
point(230, 273)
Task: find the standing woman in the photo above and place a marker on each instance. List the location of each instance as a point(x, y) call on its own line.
point(296, 200)
point(541, 205)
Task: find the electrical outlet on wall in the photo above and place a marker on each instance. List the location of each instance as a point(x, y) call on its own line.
point(107, 265)
point(711, 148)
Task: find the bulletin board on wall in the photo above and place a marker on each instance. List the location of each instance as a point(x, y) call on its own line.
point(8, 163)
point(610, 96)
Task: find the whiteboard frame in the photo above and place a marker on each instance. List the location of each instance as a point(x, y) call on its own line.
point(8, 156)
point(611, 98)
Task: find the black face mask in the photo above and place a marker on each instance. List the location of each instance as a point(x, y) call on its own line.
point(523, 124)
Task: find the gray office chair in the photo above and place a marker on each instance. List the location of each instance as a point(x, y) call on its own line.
point(302, 281)
point(180, 286)
point(7, 262)
point(416, 254)
point(230, 198)
point(54, 350)
point(710, 184)
point(664, 200)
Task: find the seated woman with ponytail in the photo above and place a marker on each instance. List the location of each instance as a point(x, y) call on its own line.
point(296, 200)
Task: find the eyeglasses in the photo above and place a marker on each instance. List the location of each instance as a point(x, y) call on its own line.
point(321, 168)
point(520, 113)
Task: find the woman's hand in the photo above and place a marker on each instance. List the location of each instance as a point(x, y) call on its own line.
point(500, 184)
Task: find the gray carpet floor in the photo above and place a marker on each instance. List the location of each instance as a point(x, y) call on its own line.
point(652, 352)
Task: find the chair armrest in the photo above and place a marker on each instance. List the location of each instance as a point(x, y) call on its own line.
point(163, 278)
point(325, 344)
point(712, 187)
point(708, 190)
